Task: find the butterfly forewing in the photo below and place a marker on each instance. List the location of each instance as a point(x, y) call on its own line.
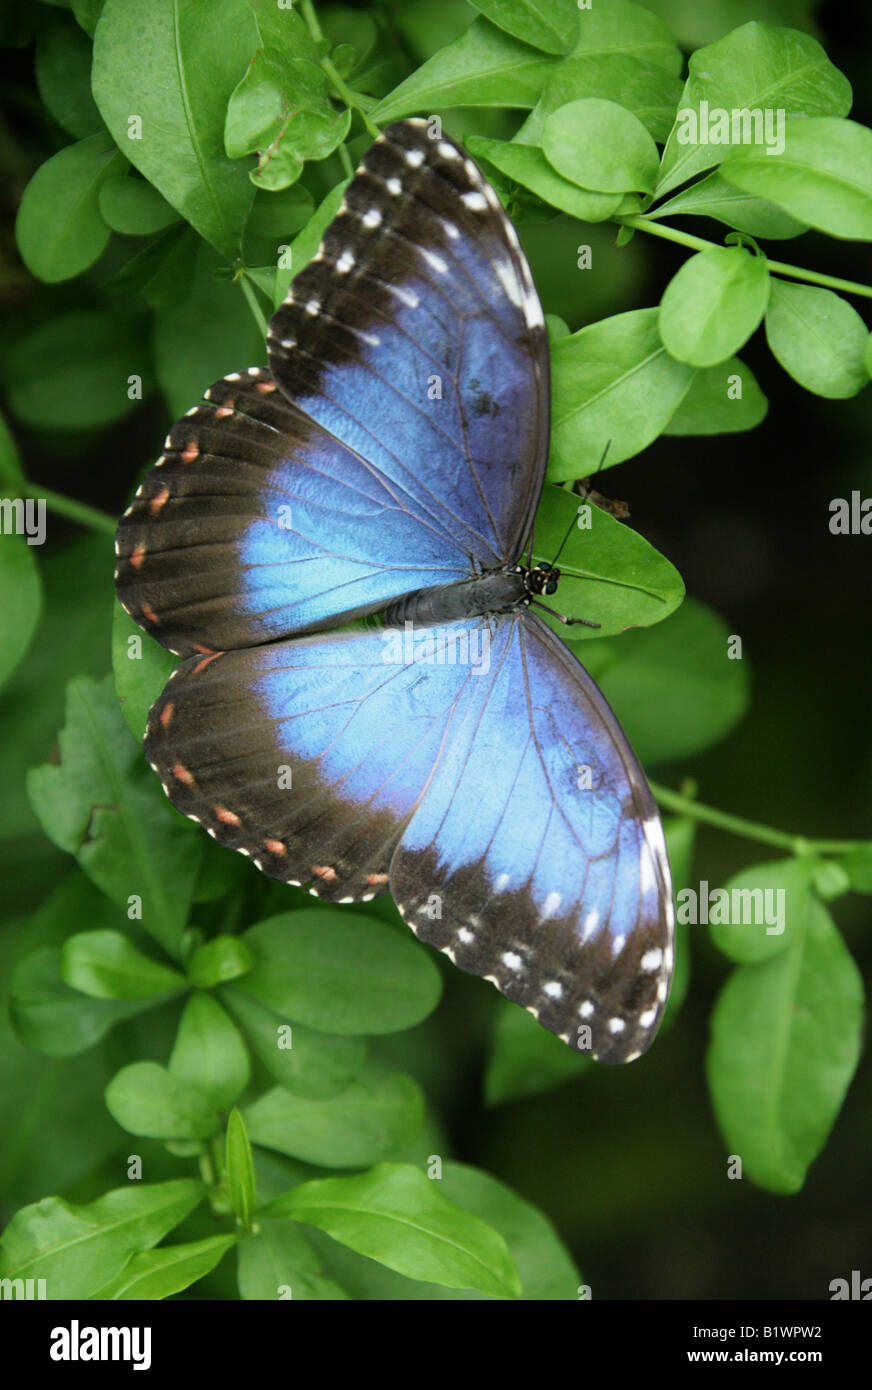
point(416, 336)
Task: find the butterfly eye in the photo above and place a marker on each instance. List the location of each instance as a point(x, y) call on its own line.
point(551, 587)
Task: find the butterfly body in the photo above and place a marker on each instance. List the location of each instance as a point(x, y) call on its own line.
point(390, 460)
point(502, 590)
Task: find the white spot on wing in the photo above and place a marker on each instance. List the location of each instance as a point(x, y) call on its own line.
point(512, 960)
point(435, 262)
point(552, 902)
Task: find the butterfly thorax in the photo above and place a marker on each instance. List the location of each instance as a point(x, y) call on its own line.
point(503, 590)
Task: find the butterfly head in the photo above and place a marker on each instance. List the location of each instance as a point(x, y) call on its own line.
point(543, 579)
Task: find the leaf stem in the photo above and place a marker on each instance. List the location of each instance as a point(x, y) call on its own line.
point(751, 830)
point(643, 222)
point(343, 91)
point(70, 508)
point(250, 294)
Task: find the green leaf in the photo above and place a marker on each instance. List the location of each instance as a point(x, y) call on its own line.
point(819, 339)
point(868, 355)
point(722, 400)
point(609, 573)
point(599, 144)
point(239, 1163)
point(544, 1264)
point(713, 304)
point(77, 1249)
point(156, 1274)
point(281, 214)
point(527, 165)
point(350, 29)
point(104, 805)
point(134, 207)
point(757, 67)
point(376, 1115)
point(142, 668)
point(160, 271)
point(673, 687)
point(281, 109)
point(613, 384)
point(786, 1038)
point(86, 363)
point(857, 864)
point(105, 965)
point(824, 176)
point(481, 67)
point(206, 333)
point(59, 229)
point(714, 196)
point(223, 958)
point(87, 13)
point(619, 27)
point(395, 1215)
point(54, 1019)
point(309, 1063)
point(306, 244)
point(551, 25)
point(525, 1059)
point(144, 1098)
point(760, 911)
point(63, 75)
point(340, 973)
point(209, 1054)
point(20, 585)
point(642, 87)
point(71, 638)
point(278, 1262)
point(167, 109)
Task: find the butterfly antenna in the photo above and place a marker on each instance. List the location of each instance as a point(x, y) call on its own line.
point(572, 523)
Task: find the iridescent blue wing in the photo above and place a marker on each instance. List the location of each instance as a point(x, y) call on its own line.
point(399, 441)
point(476, 771)
point(537, 858)
point(416, 337)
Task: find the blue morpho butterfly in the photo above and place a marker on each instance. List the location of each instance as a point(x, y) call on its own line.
point(391, 458)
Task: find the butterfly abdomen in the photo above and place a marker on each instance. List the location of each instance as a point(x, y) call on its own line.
point(500, 591)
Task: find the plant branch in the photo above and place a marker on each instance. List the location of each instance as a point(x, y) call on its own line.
point(751, 830)
point(643, 222)
point(343, 91)
point(70, 508)
point(251, 296)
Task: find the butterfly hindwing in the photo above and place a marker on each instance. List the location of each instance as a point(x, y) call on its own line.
point(477, 772)
point(309, 756)
point(537, 857)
